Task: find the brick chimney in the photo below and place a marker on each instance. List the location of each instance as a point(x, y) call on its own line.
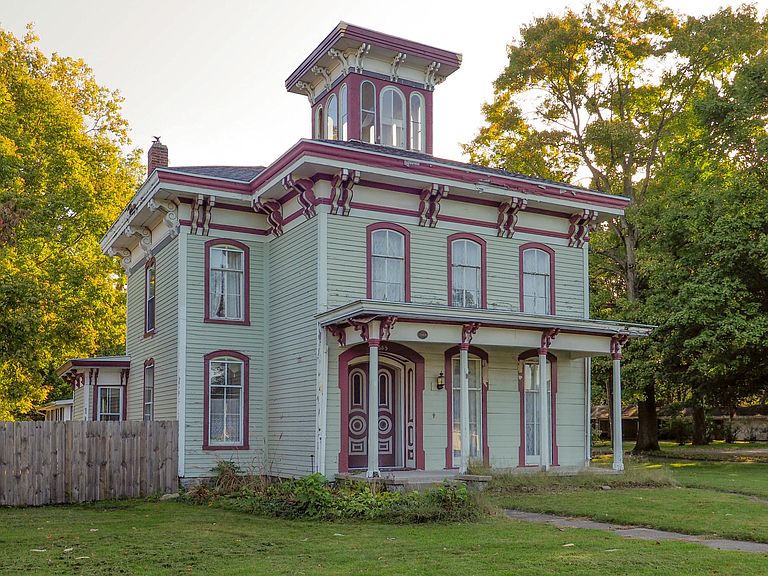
point(157, 157)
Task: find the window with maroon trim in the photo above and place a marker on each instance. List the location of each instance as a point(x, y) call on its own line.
point(368, 112)
point(388, 263)
point(149, 297)
point(332, 117)
point(343, 113)
point(466, 265)
point(418, 122)
point(148, 412)
point(109, 403)
point(537, 279)
point(531, 394)
point(227, 282)
point(226, 400)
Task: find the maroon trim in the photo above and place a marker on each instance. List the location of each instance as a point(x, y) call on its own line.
point(362, 349)
point(450, 354)
point(93, 381)
point(223, 205)
point(246, 321)
point(521, 389)
point(206, 383)
point(551, 252)
point(232, 228)
point(150, 263)
point(147, 364)
point(168, 177)
point(406, 252)
point(483, 266)
point(384, 209)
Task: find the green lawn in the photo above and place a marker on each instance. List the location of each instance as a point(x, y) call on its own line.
point(138, 537)
point(739, 477)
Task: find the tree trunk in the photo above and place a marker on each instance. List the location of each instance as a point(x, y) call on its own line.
point(647, 423)
point(699, 423)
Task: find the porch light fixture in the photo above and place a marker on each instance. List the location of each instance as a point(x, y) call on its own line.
point(440, 380)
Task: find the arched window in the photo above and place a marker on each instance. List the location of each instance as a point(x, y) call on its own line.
point(226, 400)
point(368, 112)
point(418, 121)
point(332, 117)
point(343, 113)
point(319, 124)
point(226, 282)
point(466, 258)
point(388, 263)
point(531, 394)
point(392, 118)
point(150, 303)
point(537, 279)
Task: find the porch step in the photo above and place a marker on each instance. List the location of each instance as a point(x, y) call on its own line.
point(409, 480)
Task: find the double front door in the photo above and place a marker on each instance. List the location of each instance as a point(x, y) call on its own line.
point(359, 417)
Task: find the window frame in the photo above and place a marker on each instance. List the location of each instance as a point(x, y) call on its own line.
point(483, 267)
point(552, 361)
point(329, 109)
point(406, 257)
point(121, 406)
point(343, 113)
point(422, 122)
point(245, 402)
point(150, 268)
point(246, 288)
point(521, 278)
point(382, 93)
point(148, 364)
point(375, 113)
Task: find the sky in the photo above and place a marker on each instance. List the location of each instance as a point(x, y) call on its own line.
point(209, 76)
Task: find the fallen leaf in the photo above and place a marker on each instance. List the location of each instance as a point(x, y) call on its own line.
point(82, 557)
point(337, 534)
point(612, 550)
point(568, 545)
point(38, 550)
point(68, 549)
point(94, 529)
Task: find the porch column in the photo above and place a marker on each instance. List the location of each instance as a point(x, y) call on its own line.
point(373, 408)
point(545, 426)
point(464, 407)
point(618, 447)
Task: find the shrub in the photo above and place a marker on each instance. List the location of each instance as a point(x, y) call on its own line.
point(678, 428)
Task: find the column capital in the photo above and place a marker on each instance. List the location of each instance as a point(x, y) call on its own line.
point(617, 343)
point(467, 332)
point(547, 337)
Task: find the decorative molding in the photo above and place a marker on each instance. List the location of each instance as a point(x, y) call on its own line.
point(467, 333)
point(617, 343)
point(274, 211)
point(125, 258)
point(358, 57)
point(341, 57)
point(429, 205)
point(306, 195)
point(306, 87)
point(361, 325)
point(582, 223)
point(124, 373)
point(323, 73)
point(431, 79)
point(508, 217)
point(547, 337)
point(145, 237)
point(171, 218)
point(385, 328)
point(201, 215)
point(339, 332)
point(342, 187)
point(394, 69)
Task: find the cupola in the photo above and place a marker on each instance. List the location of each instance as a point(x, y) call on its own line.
point(368, 86)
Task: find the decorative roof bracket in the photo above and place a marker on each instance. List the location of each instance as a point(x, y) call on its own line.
point(342, 187)
point(429, 205)
point(171, 218)
point(582, 223)
point(507, 219)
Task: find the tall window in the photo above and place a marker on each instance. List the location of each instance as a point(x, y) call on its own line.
point(368, 112)
point(110, 403)
point(226, 401)
point(418, 121)
point(388, 265)
point(149, 304)
point(466, 274)
point(537, 281)
point(532, 394)
point(227, 283)
point(475, 408)
point(343, 112)
point(319, 123)
point(332, 117)
point(149, 392)
point(392, 118)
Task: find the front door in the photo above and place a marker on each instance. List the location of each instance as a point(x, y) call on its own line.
point(358, 417)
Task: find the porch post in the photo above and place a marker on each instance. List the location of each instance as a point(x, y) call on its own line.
point(544, 428)
point(464, 407)
point(373, 408)
point(618, 447)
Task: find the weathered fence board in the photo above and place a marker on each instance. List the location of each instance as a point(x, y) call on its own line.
point(58, 462)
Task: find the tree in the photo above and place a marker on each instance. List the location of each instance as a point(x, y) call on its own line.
point(607, 91)
point(63, 179)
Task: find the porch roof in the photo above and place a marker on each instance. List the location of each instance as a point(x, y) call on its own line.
point(437, 314)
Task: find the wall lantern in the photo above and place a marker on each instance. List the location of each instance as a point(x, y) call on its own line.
point(440, 380)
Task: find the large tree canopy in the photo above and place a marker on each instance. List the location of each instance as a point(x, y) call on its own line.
point(63, 179)
point(606, 95)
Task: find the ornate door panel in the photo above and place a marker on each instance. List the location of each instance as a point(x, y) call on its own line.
point(387, 420)
point(358, 417)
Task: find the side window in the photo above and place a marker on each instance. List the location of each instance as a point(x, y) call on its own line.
point(149, 297)
point(343, 113)
point(536, 281)
point(418, 122)
point(226, 400)
point(149, 391)
point(227, 282)
point(388, 265)
point(332, 117)
point(466, 274)
point(368, 112)
point(319, 124)
point(110, 403)
point(392, 118)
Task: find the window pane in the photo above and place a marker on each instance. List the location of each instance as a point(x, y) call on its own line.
point(368, 112)
point(379, 241)
point(343, 112)
point(395, 243)
point(417, 123)
point(542, 262)
point(529, 261)
point(332, 118)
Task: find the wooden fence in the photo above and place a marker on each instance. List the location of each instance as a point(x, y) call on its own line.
point(58, 462)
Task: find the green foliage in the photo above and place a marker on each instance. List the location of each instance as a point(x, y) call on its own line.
point(64, 178)
point(678, 428)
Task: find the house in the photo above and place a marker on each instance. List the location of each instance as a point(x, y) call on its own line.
point(276, 311)
point(57, 411)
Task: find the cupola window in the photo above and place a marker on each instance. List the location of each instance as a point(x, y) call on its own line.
point(392, 118)
point(343, 113)
point(332, 118)
point(368, 112)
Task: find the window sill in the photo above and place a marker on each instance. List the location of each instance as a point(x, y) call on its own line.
point(227, 322)
point(150, 333)
point(215, 447)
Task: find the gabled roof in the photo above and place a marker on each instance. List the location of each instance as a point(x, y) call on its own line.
point(239, 173)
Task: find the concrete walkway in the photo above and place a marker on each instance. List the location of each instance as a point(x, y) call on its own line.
point(637, 533)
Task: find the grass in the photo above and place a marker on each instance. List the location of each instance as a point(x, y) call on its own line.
point(737, 477)
point(137, 537)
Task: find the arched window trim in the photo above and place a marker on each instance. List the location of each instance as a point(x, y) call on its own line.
point(551, 252)
point(450, 354)
point(483, 266)
point(406, 256)
point(552, 359)
point(343, 113)
point(150, 310)
point(331, 105)
point(207, 359)
point(375, 112)
point(219, 242)
point(422, 122)
point(406, 118)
